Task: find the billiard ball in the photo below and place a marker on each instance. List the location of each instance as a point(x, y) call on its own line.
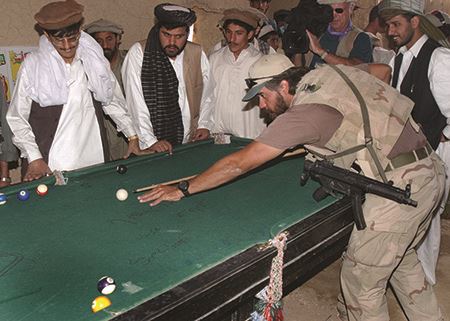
point(100, 303)
point(106, 285)
point(42, 190)
point(121, 194)
point(3, 198)
point(23, 195)
point(121, 169)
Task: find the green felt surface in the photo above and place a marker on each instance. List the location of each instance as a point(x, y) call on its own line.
point(55, 248)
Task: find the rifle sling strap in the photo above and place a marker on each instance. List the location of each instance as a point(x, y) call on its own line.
point(366, 123)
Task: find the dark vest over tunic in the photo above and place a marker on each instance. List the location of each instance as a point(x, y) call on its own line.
point(44, 122)
point(416, 86)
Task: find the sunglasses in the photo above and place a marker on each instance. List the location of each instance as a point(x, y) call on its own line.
point(251, 82)
point(339, 10)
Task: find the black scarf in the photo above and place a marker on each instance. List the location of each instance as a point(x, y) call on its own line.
point(160, 89)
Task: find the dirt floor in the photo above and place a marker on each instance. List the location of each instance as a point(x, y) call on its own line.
point(316, 299)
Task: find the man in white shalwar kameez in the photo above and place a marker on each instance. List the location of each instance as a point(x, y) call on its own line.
point(61, 90)
point(230, 66)
point(167, 83)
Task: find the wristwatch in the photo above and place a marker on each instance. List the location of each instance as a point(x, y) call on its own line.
point(183, 186)
point(5, 179)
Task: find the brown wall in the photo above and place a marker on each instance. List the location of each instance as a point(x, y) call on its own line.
point(136, 16)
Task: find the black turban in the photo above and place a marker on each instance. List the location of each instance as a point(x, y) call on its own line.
point(173, 14)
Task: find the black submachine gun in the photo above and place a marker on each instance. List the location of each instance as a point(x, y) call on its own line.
point(335, 179)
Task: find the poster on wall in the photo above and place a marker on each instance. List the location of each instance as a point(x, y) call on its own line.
point(10, 60)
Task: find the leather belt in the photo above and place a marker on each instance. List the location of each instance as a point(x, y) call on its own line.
point(409, 157)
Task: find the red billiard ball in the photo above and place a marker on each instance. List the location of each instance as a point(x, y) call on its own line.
point(42, 190)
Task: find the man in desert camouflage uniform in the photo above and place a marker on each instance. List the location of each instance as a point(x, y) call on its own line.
point(391, 148)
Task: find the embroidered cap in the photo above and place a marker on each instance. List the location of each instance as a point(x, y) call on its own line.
point(103, 25)
point(60, 14)
point(263, 70)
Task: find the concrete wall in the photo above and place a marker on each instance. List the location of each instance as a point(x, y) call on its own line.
point(136, 16)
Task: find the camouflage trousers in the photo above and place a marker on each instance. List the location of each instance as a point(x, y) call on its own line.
point(385, 251)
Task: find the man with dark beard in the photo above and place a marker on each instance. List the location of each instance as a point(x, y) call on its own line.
point(109, 34)
point(421, 71)
point(345, 113)
point(167, 83)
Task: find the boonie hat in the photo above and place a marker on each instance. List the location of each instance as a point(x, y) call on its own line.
point(414, 6)
point(263, 70)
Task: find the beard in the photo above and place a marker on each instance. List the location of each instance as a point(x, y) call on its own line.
point(279, 108)
point(172, 51)
point(405, 40)
point(109, 53)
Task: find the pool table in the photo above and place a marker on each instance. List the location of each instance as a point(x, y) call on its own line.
point(197, 259)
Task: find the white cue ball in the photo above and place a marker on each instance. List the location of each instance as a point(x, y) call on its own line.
point(121, 194)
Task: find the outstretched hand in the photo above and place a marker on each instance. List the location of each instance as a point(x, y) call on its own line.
point(161, 193)
point(314, 44)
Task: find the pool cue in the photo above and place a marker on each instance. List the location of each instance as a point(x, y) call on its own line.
point(175, 181)
point(298, 151)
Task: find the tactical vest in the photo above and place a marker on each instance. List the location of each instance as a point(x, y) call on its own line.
point(193, 80)
point(343, 49)
point(388, 113)
point(345, 45)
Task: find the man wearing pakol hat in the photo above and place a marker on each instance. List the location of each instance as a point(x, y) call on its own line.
point(229, 67)
point(259, 44)
point(270, 36)
point(320, 110)
point(421, 71)
point(62, 90)
point(342, 43)
point(109, 34)
point(167, 83)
